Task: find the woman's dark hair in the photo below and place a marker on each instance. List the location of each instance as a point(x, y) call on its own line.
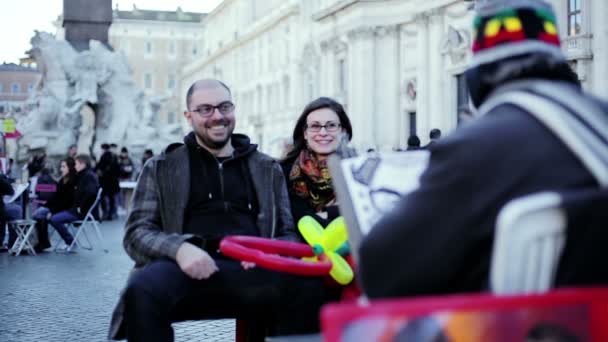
point(298, 132)
point(71, 163)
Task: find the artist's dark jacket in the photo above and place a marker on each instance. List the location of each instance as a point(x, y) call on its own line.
point(439, 238)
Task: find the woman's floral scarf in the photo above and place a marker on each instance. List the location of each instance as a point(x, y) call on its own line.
point(310, 180)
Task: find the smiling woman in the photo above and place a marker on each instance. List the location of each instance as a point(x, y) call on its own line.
point(317, 133)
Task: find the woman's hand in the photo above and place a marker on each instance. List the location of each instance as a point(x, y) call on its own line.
point(247, 265)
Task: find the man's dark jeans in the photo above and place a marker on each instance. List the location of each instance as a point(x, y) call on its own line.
point(161, 294)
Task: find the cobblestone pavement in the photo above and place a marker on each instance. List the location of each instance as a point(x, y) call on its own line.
point(70, 297)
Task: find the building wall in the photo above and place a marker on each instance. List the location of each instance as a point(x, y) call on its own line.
point(252, 45)
point(387, 61)
point(15, 87)
point(156, 52)
point(587, 51)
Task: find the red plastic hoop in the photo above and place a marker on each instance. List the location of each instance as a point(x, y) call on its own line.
point(276, 255)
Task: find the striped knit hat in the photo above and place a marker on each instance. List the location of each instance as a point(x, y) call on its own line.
point(504, 29)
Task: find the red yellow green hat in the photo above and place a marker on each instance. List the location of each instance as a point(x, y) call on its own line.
point(503, 29)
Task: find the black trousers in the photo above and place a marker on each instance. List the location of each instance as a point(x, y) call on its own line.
point(161, 294)
point(108, 205)
point(42, 229)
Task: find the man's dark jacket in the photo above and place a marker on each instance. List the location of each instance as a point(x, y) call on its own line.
point(85, 192)
point(108, 170)
point(154, 227)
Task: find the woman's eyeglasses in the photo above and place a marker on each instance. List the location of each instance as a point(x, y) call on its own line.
point(329, 127)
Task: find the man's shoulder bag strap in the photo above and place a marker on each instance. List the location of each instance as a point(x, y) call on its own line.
point(580, 123)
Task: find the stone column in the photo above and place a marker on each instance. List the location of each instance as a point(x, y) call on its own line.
point(361, 79)
point(408, 74)
point(436, 109)
point(326, 70)
point(423, 75)
point(598, 10)
point(386, 87)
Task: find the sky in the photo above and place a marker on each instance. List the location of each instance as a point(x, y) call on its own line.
point(19, 19)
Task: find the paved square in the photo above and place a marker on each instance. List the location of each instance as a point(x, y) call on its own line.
point(70, 297)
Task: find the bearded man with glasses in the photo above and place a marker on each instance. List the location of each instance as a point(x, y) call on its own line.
point(186, 200)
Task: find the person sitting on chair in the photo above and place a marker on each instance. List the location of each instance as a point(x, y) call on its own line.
point(62, 199)
point(8, 212)
point(187, 199)
point(316, 135)
point(85, 192)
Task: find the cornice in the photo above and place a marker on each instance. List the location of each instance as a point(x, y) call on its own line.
point(334, 44)
point(224, 4)
point(244, 38)
point(458, 13)
point(331, 10)
point(368, 32)
point(365, 32)
point(387, 31)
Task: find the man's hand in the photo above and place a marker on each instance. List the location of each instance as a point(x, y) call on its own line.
point(195, 262)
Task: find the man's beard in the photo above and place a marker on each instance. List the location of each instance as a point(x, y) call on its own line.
point(214, 144)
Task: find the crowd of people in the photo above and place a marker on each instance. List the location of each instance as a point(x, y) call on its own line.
point(75, 190)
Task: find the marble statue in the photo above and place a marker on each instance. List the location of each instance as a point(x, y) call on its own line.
point(73, 82)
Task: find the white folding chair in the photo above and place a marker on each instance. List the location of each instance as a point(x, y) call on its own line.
point(80, 227)
point(528, 243)
point(24, 230)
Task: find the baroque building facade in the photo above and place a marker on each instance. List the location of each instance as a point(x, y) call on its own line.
point(157, 44)
point(397, 65)
point(17, 82)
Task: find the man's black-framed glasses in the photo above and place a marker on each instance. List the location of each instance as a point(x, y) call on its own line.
point(329, 127)
point(205, 110)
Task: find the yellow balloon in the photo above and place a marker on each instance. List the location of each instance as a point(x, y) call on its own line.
point(327, 241)
point(311, 230)
point(334, 235)
point(340, 269)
